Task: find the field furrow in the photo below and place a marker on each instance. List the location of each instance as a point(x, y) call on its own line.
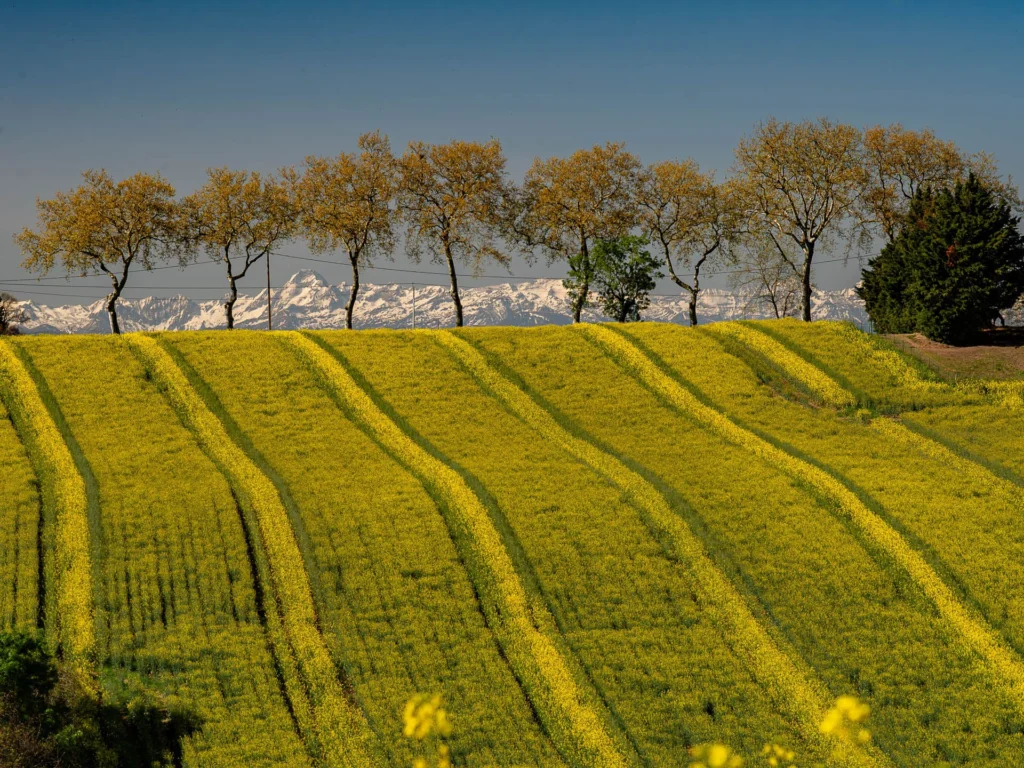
point(966, 525)
point(70, 614)
point(340, 729)
point(862, 628)
point(791, 688)
point(400, 612)
point(20, 529)
point(572, 722)
point(179, 609)
point(973, 630)
point(623, 603)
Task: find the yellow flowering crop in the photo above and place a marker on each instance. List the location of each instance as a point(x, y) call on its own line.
point(973, 630)
point(772, 667)
point(19, 531)
point(395, 601)
point(534, 656)
point(340, 729)
point(714, 756)
point(73, 567)
point(795, 366)
point(177, 605)
point(624, 606)
point(846, 720)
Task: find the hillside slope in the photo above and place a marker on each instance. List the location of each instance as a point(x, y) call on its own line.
point(602, 545)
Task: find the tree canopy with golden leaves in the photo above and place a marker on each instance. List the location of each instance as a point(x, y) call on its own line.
point(802, 183)
point(568, 203)
point(900, 161)
point(689, 218)
point(104, 227)
point(348, 202)
point(452, 196)
point(237, 218)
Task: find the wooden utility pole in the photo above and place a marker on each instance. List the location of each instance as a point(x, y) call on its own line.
point(270, 325)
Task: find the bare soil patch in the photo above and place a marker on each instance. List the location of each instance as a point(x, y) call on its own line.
point(999, 355)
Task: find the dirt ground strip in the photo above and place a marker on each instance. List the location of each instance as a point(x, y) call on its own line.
point(1001, 356)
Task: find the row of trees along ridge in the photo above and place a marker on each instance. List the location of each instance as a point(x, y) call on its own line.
point(794, 189)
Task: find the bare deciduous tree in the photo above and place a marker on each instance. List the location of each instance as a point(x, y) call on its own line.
point(237, 218)
point(766, 281)
point(348, 201)
point(452, 197)
point(103, 227)
point(11, 315)
point(690, 218)
point(800, 183)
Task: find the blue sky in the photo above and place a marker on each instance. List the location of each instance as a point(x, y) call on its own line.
point(179, 87)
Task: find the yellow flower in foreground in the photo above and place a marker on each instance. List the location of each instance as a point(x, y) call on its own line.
point(714, 756)
point(845, 715)
point(423, 716)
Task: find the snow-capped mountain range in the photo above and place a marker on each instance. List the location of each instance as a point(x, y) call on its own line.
point(309, 301)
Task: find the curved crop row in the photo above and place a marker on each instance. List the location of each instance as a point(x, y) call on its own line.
point(936, 450)
point(789, 686)
point(396, 604)
point(72, 561)
point(820, 383)
point(574, 726)
point(340, 729)
point(20, 526)
point(974, 632)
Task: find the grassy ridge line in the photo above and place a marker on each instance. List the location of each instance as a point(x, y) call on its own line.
point(974, 631)
point(789, 687)
point(574, 726)
point(816, 380)
point(342, 731)
point(72, 567)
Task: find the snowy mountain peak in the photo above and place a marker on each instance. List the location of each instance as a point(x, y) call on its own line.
point(307, 300)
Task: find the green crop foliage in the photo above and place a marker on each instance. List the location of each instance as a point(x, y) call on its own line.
point(338, 729)
point(598, 546)
point(19, 532)
point(401, 612)
point(625, 607)
point(179, 610)
point(66, 497)
point(848, 616)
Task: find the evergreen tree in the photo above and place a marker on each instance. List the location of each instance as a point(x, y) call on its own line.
point(955, 264)
point(624, 273)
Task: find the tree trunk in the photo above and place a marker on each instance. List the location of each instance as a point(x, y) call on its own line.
point(581, 300)
point(455, 285)
point(112, 311)
point(229, 305)
point(806, 300)
point(693, 308)
point(355, 291)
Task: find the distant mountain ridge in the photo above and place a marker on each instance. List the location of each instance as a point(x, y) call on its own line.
point(306, 300)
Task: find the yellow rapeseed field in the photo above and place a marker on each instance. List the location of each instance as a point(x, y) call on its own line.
point(340, 729)
point(178, 615)
point(847, 615)
point(64, 491)
point(400, 610)
point(589, 546)
point(624, 606)
point(19, 531)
